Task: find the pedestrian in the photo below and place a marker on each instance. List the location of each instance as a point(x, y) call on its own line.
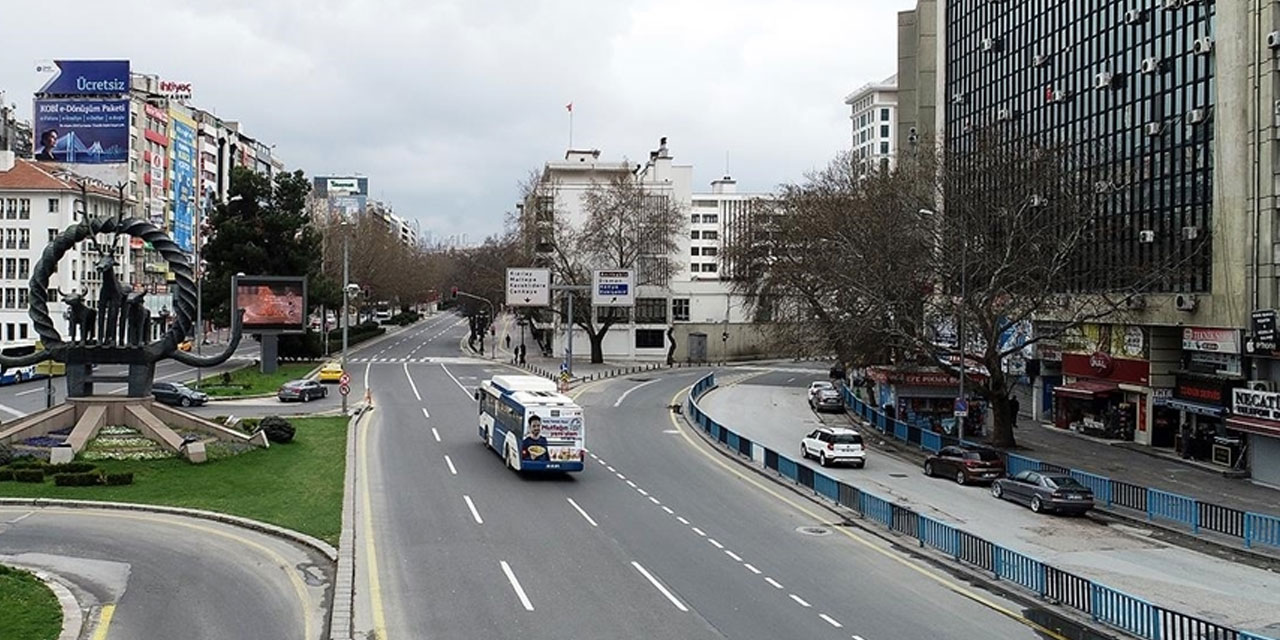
point(520, 352)
point(508, 339)
point(1014, 407)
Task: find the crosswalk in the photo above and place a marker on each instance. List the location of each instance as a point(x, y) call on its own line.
point(419, 360)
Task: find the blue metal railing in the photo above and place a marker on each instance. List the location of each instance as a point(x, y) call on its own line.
point(1171, 506)
point(1261, 528)
point(1100, 485)
point(1123, 611)
point(1020, 569)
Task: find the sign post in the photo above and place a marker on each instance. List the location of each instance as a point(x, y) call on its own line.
point(961, 408)
point(613, 288)
point(528, 287)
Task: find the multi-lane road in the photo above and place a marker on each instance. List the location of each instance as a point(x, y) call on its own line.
point(658, 538)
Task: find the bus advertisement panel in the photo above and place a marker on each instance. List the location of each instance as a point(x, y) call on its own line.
point(553, 438)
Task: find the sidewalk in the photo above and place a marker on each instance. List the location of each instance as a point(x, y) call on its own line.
point(1143, 466)
point(583, 369)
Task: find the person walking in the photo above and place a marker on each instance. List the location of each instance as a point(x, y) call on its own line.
point(1014, 407)
point(508, 341)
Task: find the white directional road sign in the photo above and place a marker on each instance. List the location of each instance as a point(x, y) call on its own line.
point(528, 287)
point(613, 288)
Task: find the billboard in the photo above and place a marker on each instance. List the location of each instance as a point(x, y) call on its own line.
point(86, 77)
point(183, 195)
point(272, 304)
point(82, 131)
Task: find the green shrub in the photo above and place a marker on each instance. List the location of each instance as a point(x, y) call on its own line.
point(6, 475)
point(249, 425)
point(6, 454)
point(28, 464)
point(87, 479)
point(278, 429)
point(29, 475)
point(115, 479)
point(70, 467)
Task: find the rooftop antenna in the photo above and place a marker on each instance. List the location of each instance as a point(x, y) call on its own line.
point(726, 164)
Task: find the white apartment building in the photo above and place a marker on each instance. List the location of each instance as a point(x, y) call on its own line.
point(692, 300)
point(873, 118)
point(40, 200)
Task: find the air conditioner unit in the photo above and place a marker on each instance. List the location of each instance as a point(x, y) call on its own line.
point(1185, 301)
point(1188, 3)
point(1136, 302)
point(1259, 385)
point(1134, 16)
point(1202, 46)
point(958, 98)
point(1059, 95)
point(1005, 114)
point(1198, 115)
point(1190, 233)
point(1273, 39)
point(1039, 60)
point(1036, 201)
point(1151, 65)
point(1103, 80)
point(1103, 186)
point(1172, 4)
point(1146, 236)
point(991, 44)
point(1154, 128)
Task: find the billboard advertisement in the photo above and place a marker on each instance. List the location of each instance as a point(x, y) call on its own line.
point(183, 195)
point(82, 131)
point(272, 304)
point(85, 77)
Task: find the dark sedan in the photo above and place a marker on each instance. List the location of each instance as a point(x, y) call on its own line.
point(1045, 492)
point(301, 390)
point(178, 394)
point(826, 400)
point(966, 464)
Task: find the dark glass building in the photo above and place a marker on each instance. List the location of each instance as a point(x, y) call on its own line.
point(1128, 84)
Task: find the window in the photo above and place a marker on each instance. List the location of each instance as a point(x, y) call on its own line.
point(884, 115)
point(11, 238)
point(712, 218)
point(884, 131)
point(704, 203)
point(22, 331)
point(680, 309)
point(651, 310)
point(23, 299)
point(10, 298)
point(53, 233)
point(709, 267)
point(695, 218)
point(8, 329)
point(620, 315)
point(53, 295)
point(650, 339)
point(24, 269)
point(884, 147)
point(53, 205)
point(693, 251)
point(24, 209)
point(11, 209)
point(10, 269)
point(695, 267)
point(695, 234)
point(24, 238)
point(710, 235)
point(709, 251)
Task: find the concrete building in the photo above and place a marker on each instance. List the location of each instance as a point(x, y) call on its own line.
point(40, 200)
point(15, 134)
point(918, 56)
point(681, 296)
point(872, 116)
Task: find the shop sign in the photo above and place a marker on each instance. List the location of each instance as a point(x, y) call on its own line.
point(1134, 341)
point(1212, 340)
point(1049, 351)
point(1204, 391)
point(1262, 325)
point(1161, 395)
point(1256, 404)
point(1102, 364)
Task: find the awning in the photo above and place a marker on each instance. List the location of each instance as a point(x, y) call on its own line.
point(1086, 389)
point(1254, 425)
point(1195, 407)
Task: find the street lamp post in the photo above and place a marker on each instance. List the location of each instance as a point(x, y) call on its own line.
point(199, 332)
point(346, 321)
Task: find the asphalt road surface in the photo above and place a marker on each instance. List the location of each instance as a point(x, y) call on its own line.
point(168, 577)
point(658, 538)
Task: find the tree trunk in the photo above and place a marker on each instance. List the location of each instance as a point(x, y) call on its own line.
point(597, 346)
point(1002, 420)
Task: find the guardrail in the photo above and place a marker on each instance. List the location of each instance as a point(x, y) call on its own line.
point(1249, 527)
point(1109, 606)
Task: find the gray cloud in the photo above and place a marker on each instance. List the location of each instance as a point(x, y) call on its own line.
point(445, 105)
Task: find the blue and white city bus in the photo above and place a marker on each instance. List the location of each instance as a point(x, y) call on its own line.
point(533, 426)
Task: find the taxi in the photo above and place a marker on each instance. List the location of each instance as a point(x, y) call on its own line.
point(331, 372)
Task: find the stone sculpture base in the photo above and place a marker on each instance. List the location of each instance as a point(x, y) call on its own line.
point(85, 416)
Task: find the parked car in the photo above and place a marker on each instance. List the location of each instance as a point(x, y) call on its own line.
point(301, 390)
point(966, 464)
point(178, 394)
point(331, 372)
point(1045, 492)
point(826, 399)
point(818, 385)
point(834, 444)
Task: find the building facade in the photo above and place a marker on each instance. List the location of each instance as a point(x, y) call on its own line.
point(873, 109)
point(15, 134)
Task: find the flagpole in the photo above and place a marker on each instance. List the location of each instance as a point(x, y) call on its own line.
point(569, 107)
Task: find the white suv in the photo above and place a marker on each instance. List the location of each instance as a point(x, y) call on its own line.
point(833, 444)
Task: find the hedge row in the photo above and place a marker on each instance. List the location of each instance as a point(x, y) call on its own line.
point(310, 345)
point(70, 474)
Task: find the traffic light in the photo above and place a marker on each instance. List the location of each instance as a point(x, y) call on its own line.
point(453, 293)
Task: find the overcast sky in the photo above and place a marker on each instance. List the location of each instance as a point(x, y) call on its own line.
point(446, 104)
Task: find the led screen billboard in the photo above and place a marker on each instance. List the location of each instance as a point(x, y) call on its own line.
point(272, 304)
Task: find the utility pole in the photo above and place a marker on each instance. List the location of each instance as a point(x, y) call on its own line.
point(346, 282)
point(199, 338)
point(568, 326)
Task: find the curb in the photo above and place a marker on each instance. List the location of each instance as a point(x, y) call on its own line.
point(901, 545)
point(72, 615)
point(290, 535)
point(342, 606)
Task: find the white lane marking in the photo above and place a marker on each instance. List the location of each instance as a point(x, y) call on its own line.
point(715, 543)
point(366, 375)
point(750, 567)
point(435, 433)
point(611, 469)
point(455, 380)
point(601, 460)
point(449, 461)
point(622, 477)
point(668, 510)
point(411, 384)
point(10, 410)
point(425, 414)
point(30, 391)
point(584, 513)
point(22, 517)
point(628, 391)
point(699, 531)
point(658, 585)
point(857, 638)
point(736, 557)
point(830, 620)
point(654, 500)
point(670, 431)
point(773, 582)
point(682, 520)
point(632, 484)
point(800, 601)
point(472, 506)
point(515, 584)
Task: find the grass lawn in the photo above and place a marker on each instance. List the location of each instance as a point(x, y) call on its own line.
point(296, 485)
point(31, 611)
point(250, 382)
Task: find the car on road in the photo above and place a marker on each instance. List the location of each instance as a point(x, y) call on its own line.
point(179, 394)
point(1044, 491)
point(331, 372)
point(818, 385)
point(185, 345)
point(826, 399)
point(965, 464)
point(831, 445)
point(301, 390)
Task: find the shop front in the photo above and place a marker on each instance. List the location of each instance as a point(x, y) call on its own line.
point(1104, 396)
point(925, 397)
point(1203, 401)
point(1255, 419)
